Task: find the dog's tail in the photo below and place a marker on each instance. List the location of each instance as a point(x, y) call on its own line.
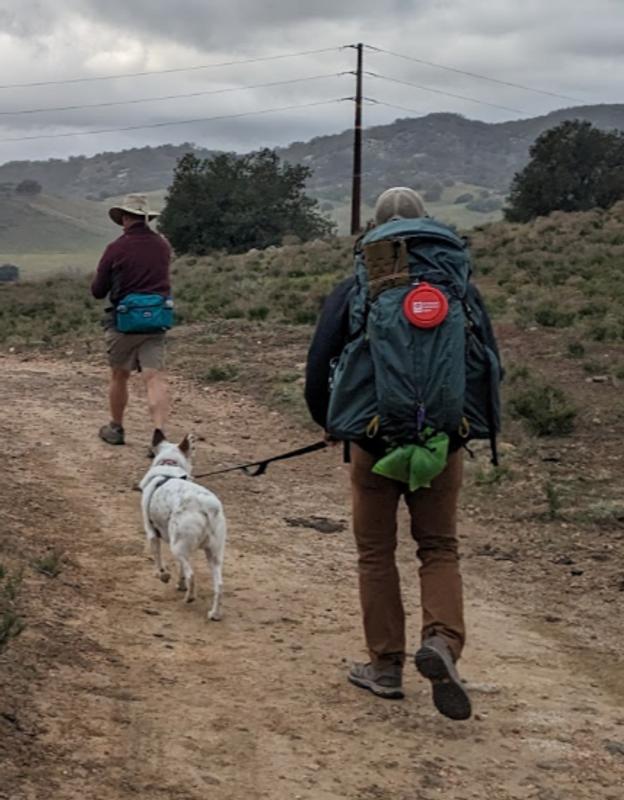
point(220, 525)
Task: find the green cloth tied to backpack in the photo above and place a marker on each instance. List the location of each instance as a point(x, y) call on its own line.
point(415, 464)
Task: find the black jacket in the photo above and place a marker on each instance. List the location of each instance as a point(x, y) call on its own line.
point(330, 337)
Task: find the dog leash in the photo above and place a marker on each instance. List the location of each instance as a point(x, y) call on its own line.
point(261, 466)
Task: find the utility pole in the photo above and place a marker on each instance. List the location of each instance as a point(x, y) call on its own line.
point(356, 193)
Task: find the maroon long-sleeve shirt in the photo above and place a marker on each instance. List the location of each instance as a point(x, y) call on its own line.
point(137, 262)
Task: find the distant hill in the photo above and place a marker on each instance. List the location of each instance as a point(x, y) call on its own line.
point(104, 175)
point(51, 224)
point(44, 235)
point(435, 148)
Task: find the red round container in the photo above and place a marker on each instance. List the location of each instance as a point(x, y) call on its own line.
point(425, 306)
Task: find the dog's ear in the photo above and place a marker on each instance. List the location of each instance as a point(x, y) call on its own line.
point(186, 445)
point(158, 438)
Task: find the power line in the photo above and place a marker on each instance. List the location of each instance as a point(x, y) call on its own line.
point(135, 101)
point(176, 122)
point(439, 91)
point(375, 102)
point(474, 74)
point(172, 70)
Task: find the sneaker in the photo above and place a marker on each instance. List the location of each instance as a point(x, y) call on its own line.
point(112, 433)
point(435, 662)
point(385, 682)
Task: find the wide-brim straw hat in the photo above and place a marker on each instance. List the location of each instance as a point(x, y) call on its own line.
point(136, 204)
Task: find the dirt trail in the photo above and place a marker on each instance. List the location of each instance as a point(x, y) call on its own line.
point(132, 694)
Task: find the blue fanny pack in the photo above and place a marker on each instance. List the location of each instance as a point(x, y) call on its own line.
point(144, 313)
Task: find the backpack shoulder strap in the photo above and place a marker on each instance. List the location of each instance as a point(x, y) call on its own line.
point(482, 328)
point(482, 320)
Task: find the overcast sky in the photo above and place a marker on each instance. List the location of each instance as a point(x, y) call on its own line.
point(568, 47)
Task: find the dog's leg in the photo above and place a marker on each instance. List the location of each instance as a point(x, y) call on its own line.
point(188, 577)
point(181, 587)
point(217, 587)
point(154, 541)
point(161, 571)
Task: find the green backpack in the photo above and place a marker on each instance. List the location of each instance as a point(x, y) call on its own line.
point(418, 359)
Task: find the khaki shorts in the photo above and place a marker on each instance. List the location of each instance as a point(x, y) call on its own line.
point(135, 351)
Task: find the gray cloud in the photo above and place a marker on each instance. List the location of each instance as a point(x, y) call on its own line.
point(242, 21)
point(26, 19)
point(559, 46)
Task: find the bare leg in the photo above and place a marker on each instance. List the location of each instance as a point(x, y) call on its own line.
point(118, 394)
point(157, 396)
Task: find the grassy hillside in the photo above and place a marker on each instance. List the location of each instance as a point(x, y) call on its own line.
point(45, 235)
point(44, 224)
point(561, 273)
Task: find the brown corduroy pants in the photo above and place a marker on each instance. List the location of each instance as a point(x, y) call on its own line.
point(433, 514)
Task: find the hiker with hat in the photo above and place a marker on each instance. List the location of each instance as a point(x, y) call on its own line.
point(404, 369)
point(134, 273)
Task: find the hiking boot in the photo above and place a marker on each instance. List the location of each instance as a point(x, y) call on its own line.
point(112, 433)
point(383, 681)
point(435, 662)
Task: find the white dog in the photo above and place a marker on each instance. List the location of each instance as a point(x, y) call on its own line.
point(187, 516)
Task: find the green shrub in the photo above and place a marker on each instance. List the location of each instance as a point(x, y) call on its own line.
point(545, 410)
point(227, 372)
point(550, 317)
point(305, 317)
point(234, 313)
point(289, 376)
point(259, 312)
point(553, 500)
point(497, 305)
point(518, 373)
point(492, 476)
point(576, 349)
point(49, 565)
point(10, 623)
point(593, 367)
point(593, 310)
point(607, 513)
point(601, 332)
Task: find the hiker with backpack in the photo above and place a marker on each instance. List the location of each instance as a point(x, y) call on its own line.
point(404, 369)
point(134, 273)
